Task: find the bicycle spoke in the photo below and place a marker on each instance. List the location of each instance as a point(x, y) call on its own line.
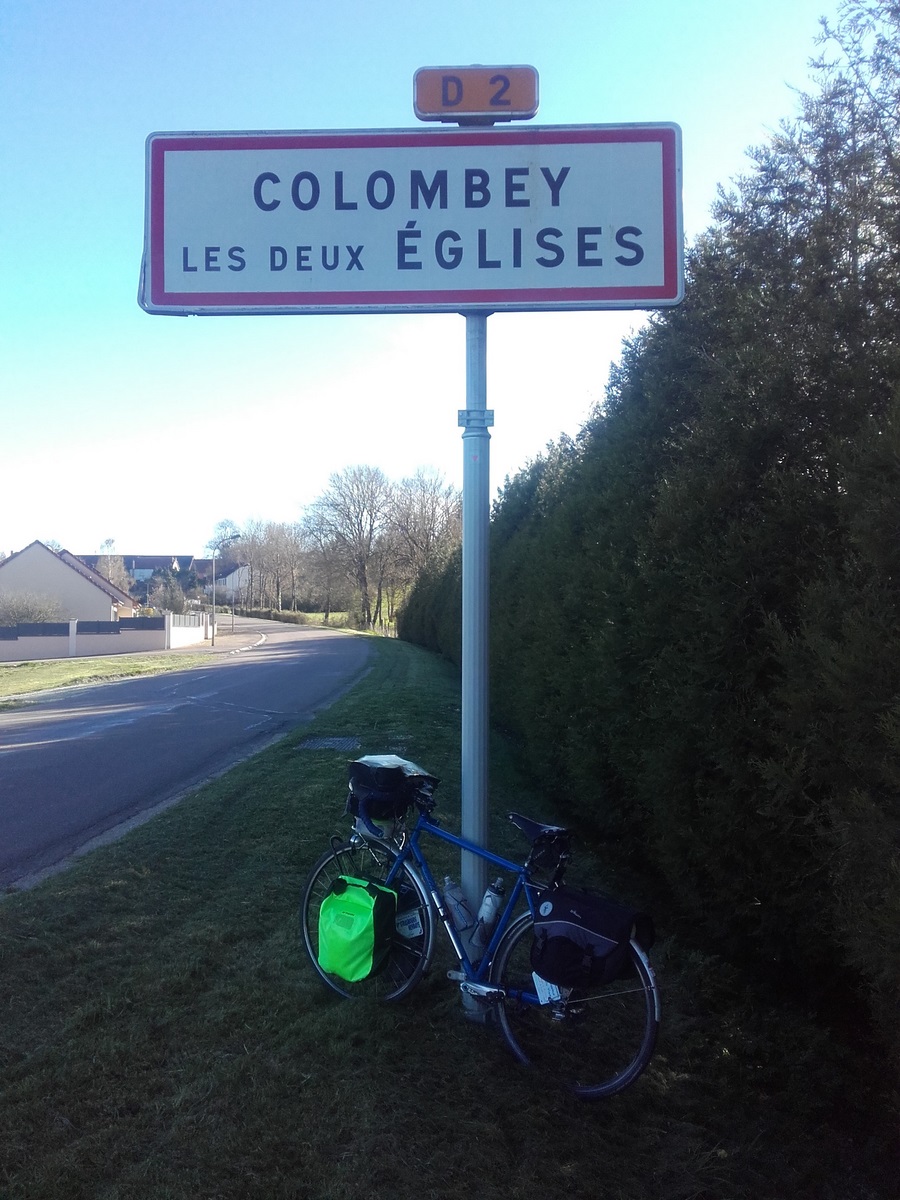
point(593, 1043)
point(413, 941)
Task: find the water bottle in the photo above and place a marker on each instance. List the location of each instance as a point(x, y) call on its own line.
point(458, 908)
point(487, 916)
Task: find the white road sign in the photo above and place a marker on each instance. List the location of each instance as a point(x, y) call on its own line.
point(434, 220)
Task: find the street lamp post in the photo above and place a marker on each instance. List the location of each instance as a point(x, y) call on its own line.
point(215, 550)
point(213, 626)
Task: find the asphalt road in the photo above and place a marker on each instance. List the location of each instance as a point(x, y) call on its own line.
point(79, 765)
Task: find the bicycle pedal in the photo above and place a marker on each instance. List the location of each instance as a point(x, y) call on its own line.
point(482, 991)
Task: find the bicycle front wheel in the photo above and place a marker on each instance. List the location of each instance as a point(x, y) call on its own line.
point(413, 943)
point(594, 1041)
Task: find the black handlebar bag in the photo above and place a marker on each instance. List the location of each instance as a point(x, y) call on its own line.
point(385, 785)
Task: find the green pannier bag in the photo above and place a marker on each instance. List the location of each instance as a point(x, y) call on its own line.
point(356, 928)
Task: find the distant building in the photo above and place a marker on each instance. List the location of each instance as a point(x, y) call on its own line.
point(143, 566)
point(232, 581)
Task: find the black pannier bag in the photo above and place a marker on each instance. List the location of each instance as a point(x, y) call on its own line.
point(385, 784)
point(581, 938)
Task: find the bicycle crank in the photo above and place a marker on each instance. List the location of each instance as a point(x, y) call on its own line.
point(481, 991)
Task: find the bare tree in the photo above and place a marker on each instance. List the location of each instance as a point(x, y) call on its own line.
point(296, 557)
point(224, 532)
point(276, 561)
point(353, 512)
point(112, 566)
point(427, 515)
point(362, 533)
point(252, 550)
point(323, 557)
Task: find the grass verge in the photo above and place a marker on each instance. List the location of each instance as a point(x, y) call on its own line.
point(25, 677)
point(335, 620)
point(163, 1038)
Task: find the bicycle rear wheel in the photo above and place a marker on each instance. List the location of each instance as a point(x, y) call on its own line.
point(594, 1042)
point(413, 944)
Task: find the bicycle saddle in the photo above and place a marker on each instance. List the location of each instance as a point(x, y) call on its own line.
point(535, 829)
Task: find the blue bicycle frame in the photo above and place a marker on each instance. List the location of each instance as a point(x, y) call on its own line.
point(476, 973)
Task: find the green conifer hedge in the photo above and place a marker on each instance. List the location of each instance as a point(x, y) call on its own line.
point(695, 607)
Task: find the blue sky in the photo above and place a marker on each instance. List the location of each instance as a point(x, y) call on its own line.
point(149, 429)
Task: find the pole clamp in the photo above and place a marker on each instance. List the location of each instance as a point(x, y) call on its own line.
point(475, 418)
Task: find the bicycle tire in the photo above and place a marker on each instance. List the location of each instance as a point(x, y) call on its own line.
point(413, 945)
point(594, 1042)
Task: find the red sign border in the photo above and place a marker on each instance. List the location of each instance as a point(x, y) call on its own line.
point(158, 300)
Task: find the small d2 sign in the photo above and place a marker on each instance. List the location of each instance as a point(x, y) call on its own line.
point(475, 94)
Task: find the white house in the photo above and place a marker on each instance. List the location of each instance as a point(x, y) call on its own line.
point(231, 584)
point(77, 588)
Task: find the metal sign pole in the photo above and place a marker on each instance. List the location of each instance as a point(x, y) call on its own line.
point(475, 419)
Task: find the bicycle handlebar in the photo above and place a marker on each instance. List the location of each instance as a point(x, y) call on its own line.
point(363, 815)
point(422, 796)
